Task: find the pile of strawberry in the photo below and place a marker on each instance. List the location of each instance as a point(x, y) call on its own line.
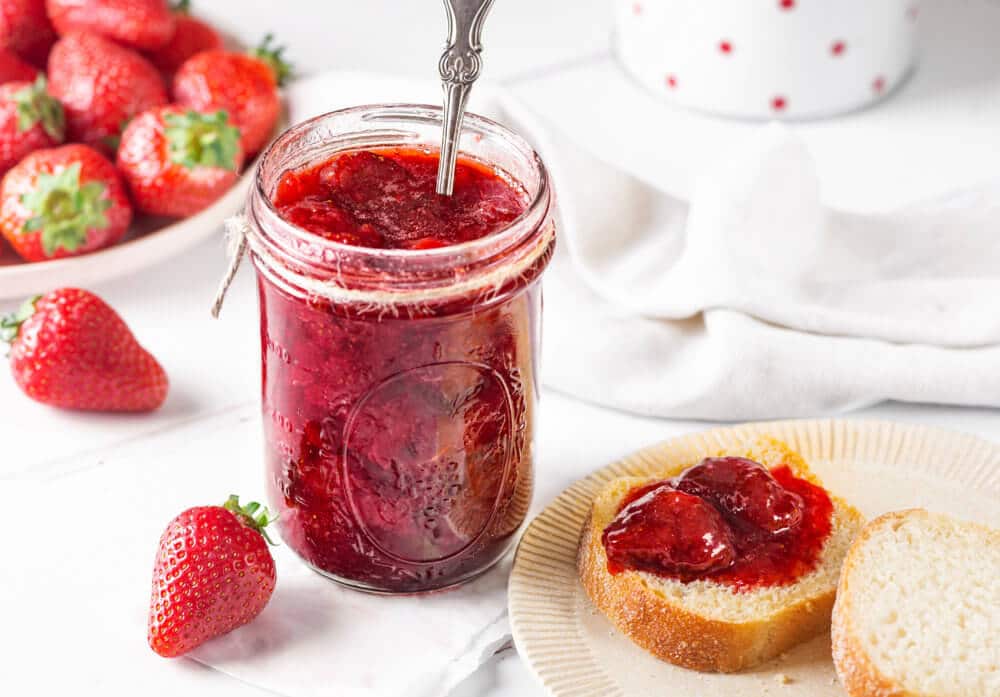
point(110, 107)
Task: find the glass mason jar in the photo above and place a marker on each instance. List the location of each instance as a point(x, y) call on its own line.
point(399, 386)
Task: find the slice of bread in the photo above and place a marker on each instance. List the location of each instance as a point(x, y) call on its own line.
point(705, 625)
point(918, 609)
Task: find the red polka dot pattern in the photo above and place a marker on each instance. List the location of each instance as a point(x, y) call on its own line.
point(868, 73)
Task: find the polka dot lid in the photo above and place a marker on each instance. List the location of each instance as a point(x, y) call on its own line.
point(786, 59)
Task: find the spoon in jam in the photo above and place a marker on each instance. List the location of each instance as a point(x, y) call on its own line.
point(459, 67)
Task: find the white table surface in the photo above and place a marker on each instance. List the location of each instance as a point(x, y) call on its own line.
point(214, 366)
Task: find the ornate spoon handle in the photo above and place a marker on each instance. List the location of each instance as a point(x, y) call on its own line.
point(459, 67)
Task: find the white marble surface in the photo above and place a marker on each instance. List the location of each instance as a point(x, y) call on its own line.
point(214, 365)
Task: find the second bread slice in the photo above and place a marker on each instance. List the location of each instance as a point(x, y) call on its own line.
point(918, 610)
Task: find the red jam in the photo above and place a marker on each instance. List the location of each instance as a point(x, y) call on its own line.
point(728, 520)
point(399, 443)
point(385, 198)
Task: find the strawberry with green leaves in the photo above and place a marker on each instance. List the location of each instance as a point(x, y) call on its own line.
point(101, 86)
point(141, 24)
point(191, 36)
point(70, 349)
point(178, 161)
point(243, 85)
point(30, 119)
point(213, 573)
point(61, 202)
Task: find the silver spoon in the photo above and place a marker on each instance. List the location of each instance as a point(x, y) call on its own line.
point(459, 67)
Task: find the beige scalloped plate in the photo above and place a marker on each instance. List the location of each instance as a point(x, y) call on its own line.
point(878, 466)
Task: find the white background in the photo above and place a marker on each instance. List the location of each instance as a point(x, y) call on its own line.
point(214, 366)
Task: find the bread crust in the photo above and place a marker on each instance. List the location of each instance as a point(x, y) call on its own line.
point(683, 637)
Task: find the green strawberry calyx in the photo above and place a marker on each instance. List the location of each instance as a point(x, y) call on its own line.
point(253, 515)
point(272, 55)
point(10, 324)
point(202, 140)
point(64, 210)
point(182, 7)
point(35, 105)
point(113, 140)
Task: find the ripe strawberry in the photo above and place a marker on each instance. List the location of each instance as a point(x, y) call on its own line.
point(62, 202)
point(69, 349)
point(213, 573)
point(245, 86)
point(13, 67)
point(25, 29)
point(101, 86)
point(143, 24)
point(176, 162)
point(191, 36)
point(30, 119)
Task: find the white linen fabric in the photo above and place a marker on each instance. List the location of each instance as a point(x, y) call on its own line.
point(314, 638)
point(754, 300)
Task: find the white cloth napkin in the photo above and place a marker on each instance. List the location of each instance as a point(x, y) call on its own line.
point(757, 301)
point(314, 638)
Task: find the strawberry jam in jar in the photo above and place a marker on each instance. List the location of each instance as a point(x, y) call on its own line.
point(399, 333)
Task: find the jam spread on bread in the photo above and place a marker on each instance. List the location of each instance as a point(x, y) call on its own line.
point(728, 520)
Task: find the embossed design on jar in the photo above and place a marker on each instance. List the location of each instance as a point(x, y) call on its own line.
point(426, 456)
point(398, 380)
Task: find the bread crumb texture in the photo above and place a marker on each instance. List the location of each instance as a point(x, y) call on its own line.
point(919, 609)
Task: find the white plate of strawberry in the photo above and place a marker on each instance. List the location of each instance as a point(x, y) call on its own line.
point(124, 130)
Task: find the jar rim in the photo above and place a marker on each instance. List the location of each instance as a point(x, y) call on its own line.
point(428, 114)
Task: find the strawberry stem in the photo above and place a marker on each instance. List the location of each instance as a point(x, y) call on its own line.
point(272, 55)
point(253, 515)
point(10, 324)
point(35, 105)
point(205, 140)
point(64, 210)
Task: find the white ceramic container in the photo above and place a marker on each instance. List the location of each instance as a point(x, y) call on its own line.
point(763, 59)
